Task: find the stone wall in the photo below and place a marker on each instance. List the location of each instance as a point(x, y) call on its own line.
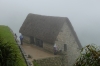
point(52, 61)
point(26, 39)
point(66, 37)
point(48, 47)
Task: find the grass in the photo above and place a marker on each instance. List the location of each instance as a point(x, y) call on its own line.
point(6, 34)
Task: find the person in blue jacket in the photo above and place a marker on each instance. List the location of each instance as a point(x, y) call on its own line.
point(21, 39)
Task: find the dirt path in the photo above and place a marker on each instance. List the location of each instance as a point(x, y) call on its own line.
point(36, 52)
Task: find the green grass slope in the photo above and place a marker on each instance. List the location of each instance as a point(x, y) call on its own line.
point(9, 52)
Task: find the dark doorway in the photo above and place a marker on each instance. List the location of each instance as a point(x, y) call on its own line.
point(31, 40)
point(39, 42)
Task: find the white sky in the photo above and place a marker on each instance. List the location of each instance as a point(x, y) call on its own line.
point(83, 14)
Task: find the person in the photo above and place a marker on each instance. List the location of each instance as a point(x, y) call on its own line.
point(15, 37)
point(55, 49)
point(21, 39)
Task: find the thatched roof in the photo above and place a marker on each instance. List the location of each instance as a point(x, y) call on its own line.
point(45, 28)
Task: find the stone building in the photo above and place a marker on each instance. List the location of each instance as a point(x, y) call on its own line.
point(45, 31)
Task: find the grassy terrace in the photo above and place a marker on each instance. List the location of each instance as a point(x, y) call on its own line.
point(9, 49)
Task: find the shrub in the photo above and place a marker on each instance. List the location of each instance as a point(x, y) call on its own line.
point(35, 63)
point(90, 56)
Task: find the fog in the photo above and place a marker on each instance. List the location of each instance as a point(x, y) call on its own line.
point(83, 14)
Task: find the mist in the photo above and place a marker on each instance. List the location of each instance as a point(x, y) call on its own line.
point(83, 14)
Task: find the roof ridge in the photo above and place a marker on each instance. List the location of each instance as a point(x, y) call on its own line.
point(46, 15)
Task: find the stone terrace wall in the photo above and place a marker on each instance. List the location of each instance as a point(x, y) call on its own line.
point(21, 50)
point(52, 61)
